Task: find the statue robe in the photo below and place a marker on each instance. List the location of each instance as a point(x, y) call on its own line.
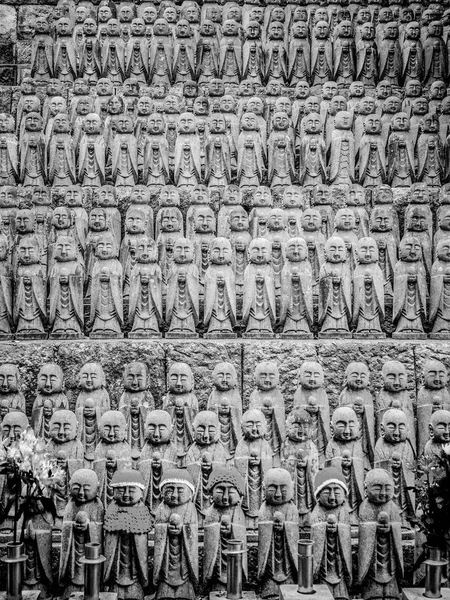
point(42, 57)
point(412, 60)
point(73, 450)
point(30, 312)
point(187, 169)
point(253, 60)
point(106, 306)
point(276, 431)
point(66, 315)
point(33, 164)
point(113, 59)
point(342, 157)
point(253, 476)
point(299, 60)
point(277, 551)
point(124, 159)
point(367, 62)
point(220, 303)
point(156, 170)
point(321, 62)
point(64, 59)
point(9, 159)
point(297, 299)
point(137, 57)
point(430, 156)
point(6, 300)
point(302, 476)
point(371, 161)
point(91, 160)
point(59, 402)
point(390, 61)
point(88, 433)
point(435, 55)
point(89, 65)
point(366, 419)
point(401, 162)
point(152, 479)
point(182, 409)
point(230, 59)
point(183, 59)
point(160, 62)
point(251, 157)
point(259, 313)
point(207, 59)
point(401, 400)
point(310, 400)
point(409, 309)
point(182, 306)
point(335, 570)
point(220, 158)
point(368, 299)
point(228, 407)
point(312, 151)
point(135, 428)
point(335, 299)
point(281, 168)
point(145, 313)
point(355, 476)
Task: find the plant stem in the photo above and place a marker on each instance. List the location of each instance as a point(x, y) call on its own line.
point(16, 505)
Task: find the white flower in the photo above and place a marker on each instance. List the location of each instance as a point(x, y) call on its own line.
point(446, 449)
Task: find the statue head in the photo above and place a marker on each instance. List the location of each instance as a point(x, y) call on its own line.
point(440, 426)
point(321, 30)
point(394, 426)
point(113, 28)
point(260, 251)
point(381, 219)
point(9, 378)
point(280, 121)
point(28, 251)
point(335, 250)
point(135, 377)
point(115, 105)
point(400, 122)
point(62, 218)
point(253, 424)
point(435, 376)
point(206, 428)
point(8, 197)
point(225, 377)
point(140, 195)
point(170, 220)
point(410, 249)
point(394, 376)
point(92, 124)
point(104, 197)
point(180, 379)
point(220, 251)
point(112, 427)
point(128, 487)
point(367, 31)
point(345, 424)
point(50, 379)
point(183, 29)
point(429, 123)
point(267, 376)
point(83, 486)
point(345, 219)
point(6, 123)
point(330, 489)
point(412, 31)
point(238, 219)
point(379, 486)
point(367, 251)
point(443, 250)
point(278, 487)
point(33, 122)
point(249, 122)
point(183, 251)
point(204, 221)
point(438, 91)
point(312, 123)
point(372, 125)
point(106, 247)
point(13, 424)
point(104, 87)
point(413, 88)
point(277, 220)
point(63, 426)
point(226, 486)
point(273, 88)
point(63, 27)
point(293, 197)
point(298, 425)
point(217, 124)
point(91, 377)
point(296, 250)
point(135, 221)
point(227, 104)
point(146, 251)
point(357, 376)
point(311, 220)
point(311, 375)
point(419, 106)
point(329, 89)
point(177, 487)
point(158, 427)
point(343, 120)
point(312, 105)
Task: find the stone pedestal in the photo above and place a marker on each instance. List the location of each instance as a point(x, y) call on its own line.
point(321, 592)
point(223, 596)
point(417, 593)
point(26, 595)
point(80, 596)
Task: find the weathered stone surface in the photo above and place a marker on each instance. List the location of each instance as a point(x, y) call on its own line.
point(27, 16)
point(429, 350)
point(23, 52)
point(8, 24)
point(5, 99)
point(202, 357)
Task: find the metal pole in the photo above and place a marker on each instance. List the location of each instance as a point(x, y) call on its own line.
point(433, 573)
point(305, 567)
point(14, 564)
point(92, 561)
point(235, 553)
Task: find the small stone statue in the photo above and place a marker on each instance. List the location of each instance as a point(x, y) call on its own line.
point(277, 533)
point(342, 150)
point(88, 417)
point(182, 307)
point(63, 438)
point(92, 384)
point(42, 51)
point(368, 291)
point(64, 51)
point(312, 151)
point(251, 153)
point(269, 400)
point(331, 534)
point(32, 170)
point(259, 291)
point(321, 54)
point(50, 388)
point(400, 153)
point(182, 404)
point(176, 538)
point(158, 454)
point(225, 400)
point(299, 54)
point(380, 558)
point(439, 434)
point(9, 151)
point(372, 153)
point(432, 396)
point(124, 153)
point(367, 55)
point(394, 453)
point(82, 523)
point(91, 153)
point(335, 291)
point(300, 457)
point(127, 525)
point(431, 167)
point(10, 387)
point(224, 520)
point(262, 205)
point(6, 290)
point(219, 292)
point(312, 397)
point(410, 290)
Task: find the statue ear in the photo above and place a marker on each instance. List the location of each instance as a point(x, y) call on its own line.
point(430, 427)
point(331, 429)
point(382, 430)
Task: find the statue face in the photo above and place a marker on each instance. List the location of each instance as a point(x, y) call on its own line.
point(357, 376)
point(135, 377)
point(140, 195)
point(113, 28)
point(394, 377)
point(204, 221)
point(97, 220)
point(259, 252)
point(183, 252)
point(206, 430)
point(127, 495)
point(343, 120)
point(368, 31)
point(149, 15)
point(61, 218)
point(159, 429)
point(443, 251)
point(311, 220)
point(170, 221)
point(180, 380)
point(367, 251)
point(112, 427)
point(84, 106)
point(216, 87)
point(220, 253)
point(135, 221)
point(12, 427)
point(104, 87)
point(6, 123)
point(28, 252)
point(345, 424)
point(400, 122)
point(372, 124)
point(381, 219)
point(329, 89)
point(217, 123)
point(276, 220)
point(63, 27)
point(83, 490)
point(435, 375)
point(146, 251)
point(410, 250)
point(144, 108)
point(228, 104)
point(224, 377)
point(296, 250)
point(417, 220)
point(225, 494)
point(379, 487)
point(438, 90)
point(262, 197)
point(331, 496)
point(182, 29)
point(63, 426)
point(186, 123)
point(345, 219)
point(281, 121)
point(253, 425)
point(440, 427)
point(298, 430)
point(419, 106)
point(384, 89)
point(91, 377)
point(311, 376)
point(394, 428)
point(24, 222)
point(8, 379)
point(267, 376)
point(104, 14)
point(33, 122)
point(125, 14)
point(91, 124)
point(201, 106)
point(335, 251)
point(176, 494)
point(50, 379)
point(7, 197)
point(278, 487)
point(321, 30)
point(115, 105)
point(137, 27)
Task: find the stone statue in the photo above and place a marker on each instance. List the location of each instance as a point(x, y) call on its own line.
point(335, 291)
point(50, 389)
point(380, 558)
point(64, 51)
point(311, 223)
point(368, 290)
point(346, 229)
point(9, 151)
point(367, 55)
point(224, 520)
point(219, 291)
point(155, 170)
point(182, 308)
point(344, 59)
point(331, 534)
point(105, 197)
point(312, 397)
point(280, 151)
point(92, 384)
point(312, 151)
point(124, 153)
point(88, 417)
point(277, 533)
point(176, 538)
point(442, 227)
point(127, 525)
point(345, 451)
point(136, 63)
point(321, 54)
point(82, 523)
point(342, 150)
point(202, 237)
point(371, 153)
point(135, 233)
point(8, 211)
point(187, 165)
point(61, 153)
point(439, 314)
point(30, 313)
point(63, 438)
point(439, 434)
point(253, 458)
point(6, 290)
point(182, 404)
point(183, 68)
point(161, 53)
point(432, 396)
point(113, 54)
point(225, 400)
point(259, 291)
point(299, 54)
point(158, 455)
point(300, 457)
point(251, 153)
point(106, 309)
point(42, 51)
point(410, 290)
point(220, 153)
point(394, 453)
point(32, 169)
point(390, 61)
point(400, 153)
point(91, 153)
point(434, 52)
point(230, 53)
point(10, 388)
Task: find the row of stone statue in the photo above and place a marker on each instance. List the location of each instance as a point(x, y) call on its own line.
point(123, 529)
point(344, 148)
point(361, 433)
point(274, 44)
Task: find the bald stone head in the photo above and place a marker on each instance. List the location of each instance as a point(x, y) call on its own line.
point(379, 486)
point(394, 426)
point(63, 426)
point(112, 427)
point(158, 427)
point(253, 424)
point(206, 427)
point(440, 427)
point(345, 424)
point(84, 486)
point(278, 487)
